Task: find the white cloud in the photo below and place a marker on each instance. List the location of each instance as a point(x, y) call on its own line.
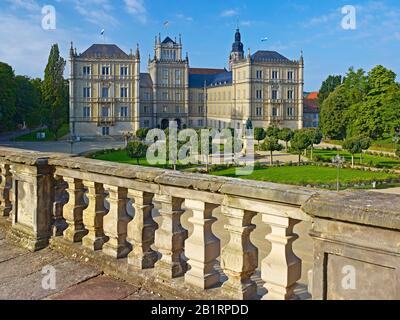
point(28, 45)
point(29, 5)
point(183, 17)
point(98, 12)
point(229, 13)
point(137, 8)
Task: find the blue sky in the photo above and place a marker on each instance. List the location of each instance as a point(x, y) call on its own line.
point(207, 28)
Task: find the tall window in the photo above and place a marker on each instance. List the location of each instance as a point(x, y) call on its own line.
point(290, 111)
point(274, 94)
point(104, 92)
point(124, 112)
point(165, 109)
point(124, 92)
point(105, 71)
point(124, 71)
point(86, 112)
point(178, 77)
point(274, 112)
point(105, 131)
point(105, 112)
point(86, 70)
point(290, 94)
point(259, 94)
point(200, 122)
point(86, 92)
point(259, 74)
point(165, 76)
point(290, 75)
point(258, 111)
point(274, 75)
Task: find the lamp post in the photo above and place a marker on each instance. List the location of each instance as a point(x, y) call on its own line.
point(338, 160)
point(71, 141)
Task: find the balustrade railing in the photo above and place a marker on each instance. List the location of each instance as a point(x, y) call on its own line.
point(109, 208)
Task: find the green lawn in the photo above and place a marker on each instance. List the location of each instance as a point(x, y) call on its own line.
point(121, 156)
point(312, 175)
point(50, 136)
point(367, 159)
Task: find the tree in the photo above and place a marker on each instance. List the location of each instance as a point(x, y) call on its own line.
point(55, 91)
point(353, 146)
point(315, 138)
point(259, 134)
point(28, 102)
point(398, 151)
point(286, 134)
point(327, 87)
point(7, 97)
point(271, 144)
point(273, 131)
point(136, 150)
point(142, 133)
point(300, 142)
point(333, 122)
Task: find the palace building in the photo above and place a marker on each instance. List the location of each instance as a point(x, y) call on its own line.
point(109, 95)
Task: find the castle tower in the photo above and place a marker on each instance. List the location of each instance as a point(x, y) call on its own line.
point(237, 52)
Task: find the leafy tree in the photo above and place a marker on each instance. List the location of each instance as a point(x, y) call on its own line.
point(7, 97)
point(315, 136)
point(353, 146)
point(259, 134)
point(142, 133)
point(365, 143)
point(55, 91)
point(136, 150)
point(273, 131)
point(286, 134)
point(300, 142)
point(271, 144)
point(28, 102)
point(333, 122)
point(327, 87)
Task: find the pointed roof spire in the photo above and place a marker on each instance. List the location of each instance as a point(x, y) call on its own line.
point(180, 39)
point(159, 38)
point(137, 51)
point(71, 50)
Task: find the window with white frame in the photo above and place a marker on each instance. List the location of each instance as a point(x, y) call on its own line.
point(124, 71)
point(124, 92)
point(86, 92)
point(165, 76)
point(178, 76)
point(258, 111)
point(259, 74)
point(274, 112)
point(200, 122)
point(105, 70)
point(274, 94)
point(86, 112)
point(290, 75)
point(259, 94)
point(290, 94)
point(123, 112)
point(274, 74)
point(290, 111)
point(86, 70)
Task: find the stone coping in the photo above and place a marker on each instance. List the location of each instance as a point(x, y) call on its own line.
point(360, 207)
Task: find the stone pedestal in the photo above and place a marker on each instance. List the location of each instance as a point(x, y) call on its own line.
point(141, 231)
point(202, 248)
point(239, 257)
point(5, 186)
point(170, 238)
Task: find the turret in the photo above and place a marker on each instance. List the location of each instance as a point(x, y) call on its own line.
point(237, 52)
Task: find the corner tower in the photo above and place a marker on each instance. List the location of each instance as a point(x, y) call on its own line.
point(237, 52)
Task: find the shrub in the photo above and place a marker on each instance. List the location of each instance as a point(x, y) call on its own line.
point(136, 150)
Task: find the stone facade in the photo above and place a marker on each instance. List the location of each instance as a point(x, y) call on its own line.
point(110, 96)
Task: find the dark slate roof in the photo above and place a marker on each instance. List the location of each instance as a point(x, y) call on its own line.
point(168, 40)
point(206, 71)
point(145, 80)
point(104, 51)
point(198, 80)
point(266, 56)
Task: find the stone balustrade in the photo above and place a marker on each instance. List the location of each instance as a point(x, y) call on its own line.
point(105, 212)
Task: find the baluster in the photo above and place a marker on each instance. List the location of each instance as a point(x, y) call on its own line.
point(93, 216)
point(239, 258)
point(60, 199)
point(281, 268)
point(141, 231)
point(116, 222)
point(73, 210)
point(5, 186)
point(202, 247)
point(170, 238)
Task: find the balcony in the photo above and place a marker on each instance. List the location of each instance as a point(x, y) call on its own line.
point(105, 214)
